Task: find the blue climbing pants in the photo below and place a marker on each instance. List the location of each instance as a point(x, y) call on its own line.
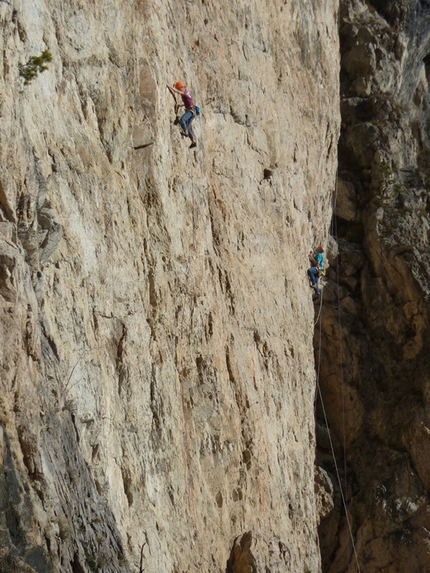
point(313, 277)
point(186, 121)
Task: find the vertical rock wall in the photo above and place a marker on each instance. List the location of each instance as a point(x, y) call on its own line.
point(157, 376)
point(375, 327)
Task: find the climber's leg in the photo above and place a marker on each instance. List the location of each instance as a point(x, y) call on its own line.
point(185, 120)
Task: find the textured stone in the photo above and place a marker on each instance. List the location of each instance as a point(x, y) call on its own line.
point(157, 370)
point(374, 373)
point(323, 492)
point(10, 564)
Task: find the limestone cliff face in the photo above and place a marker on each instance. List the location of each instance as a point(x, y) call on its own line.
point(375, 327)
point(157, 375)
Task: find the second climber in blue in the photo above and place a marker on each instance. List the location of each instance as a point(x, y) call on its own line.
point(314, 275)
point(187, 118)
point(317, 258)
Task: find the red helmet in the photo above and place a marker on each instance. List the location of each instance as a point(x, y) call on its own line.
point(179, 85)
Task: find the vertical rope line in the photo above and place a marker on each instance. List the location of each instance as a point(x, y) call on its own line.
point(340, 339)
point(181, 358)
point(342, 378)
point(195, 224)
point(338, 477)
point(351, 535)
point(343, 498)
point(182, 374)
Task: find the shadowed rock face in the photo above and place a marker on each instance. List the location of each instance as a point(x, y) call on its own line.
point(11, 564)
point(156, 360)
point(375, 326)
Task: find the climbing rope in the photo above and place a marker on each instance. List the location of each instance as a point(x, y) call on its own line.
point(333, 452)
point(319, 318)
point(338, 478)
point(188, 290)
point(334, 232)
point(320, 309)
point(182, 371)
point(342, 380)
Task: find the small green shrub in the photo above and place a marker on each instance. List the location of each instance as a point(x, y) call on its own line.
point(34, 66)
point(397, 188)
point(385, 174)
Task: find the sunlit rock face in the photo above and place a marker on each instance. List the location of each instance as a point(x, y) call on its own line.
point(375, 327)
point(157, 374)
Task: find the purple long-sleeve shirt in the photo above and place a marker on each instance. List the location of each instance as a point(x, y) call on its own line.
point(186, 98)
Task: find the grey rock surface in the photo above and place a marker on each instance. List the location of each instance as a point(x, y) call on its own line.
point(156, 365)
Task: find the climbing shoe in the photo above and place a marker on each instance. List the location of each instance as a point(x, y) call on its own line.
point(194, 144)
point(184, 134)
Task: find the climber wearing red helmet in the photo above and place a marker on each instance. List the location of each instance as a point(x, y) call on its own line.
point(189, 114)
